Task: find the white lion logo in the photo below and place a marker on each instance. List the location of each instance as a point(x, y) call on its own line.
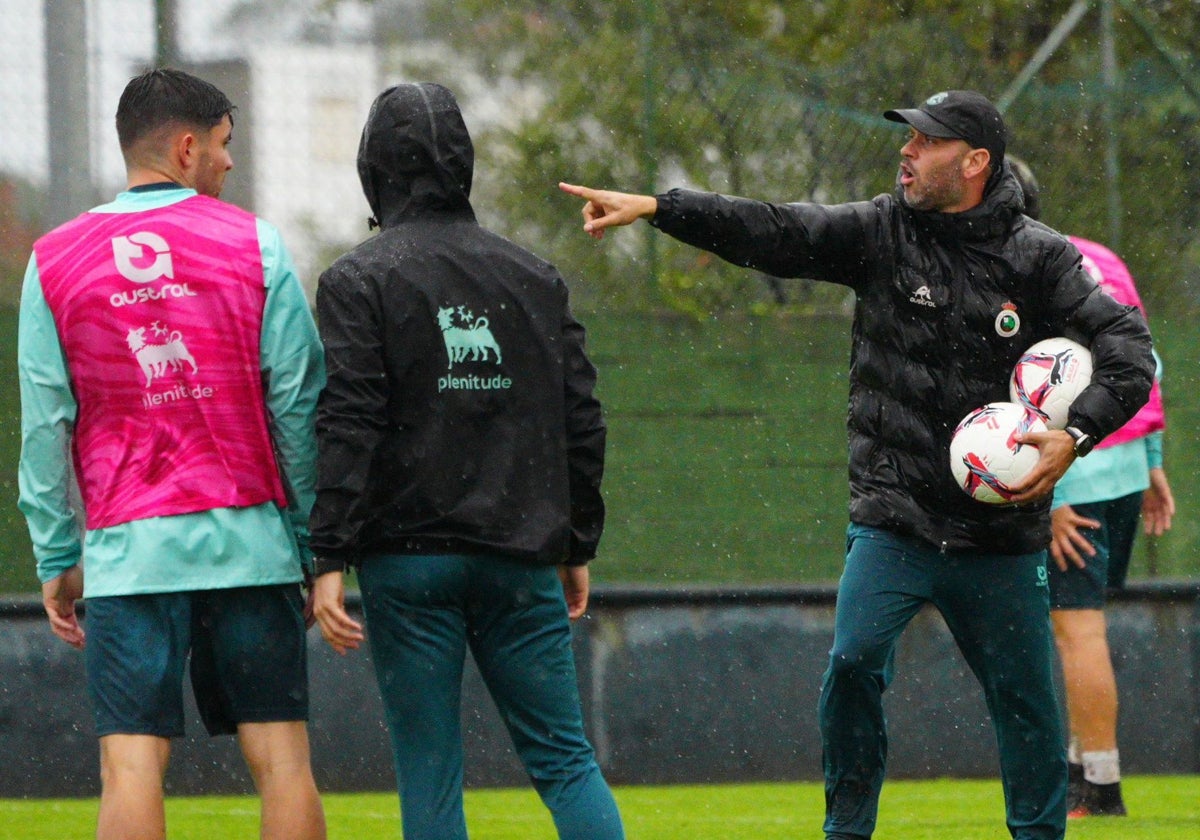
point(154, 359)
point(472, 337)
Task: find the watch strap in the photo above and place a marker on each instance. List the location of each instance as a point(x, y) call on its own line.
point(1084, 443)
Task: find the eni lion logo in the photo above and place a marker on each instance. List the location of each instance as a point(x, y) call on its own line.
point(465, 335)
point(164, 351)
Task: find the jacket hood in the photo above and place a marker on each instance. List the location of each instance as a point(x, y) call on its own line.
point(415, 155)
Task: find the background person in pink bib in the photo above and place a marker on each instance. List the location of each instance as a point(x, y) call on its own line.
point(166, 345)
point(1094, 521)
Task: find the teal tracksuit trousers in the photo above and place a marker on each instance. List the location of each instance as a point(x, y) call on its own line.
point(423, 613)
point(997, 608)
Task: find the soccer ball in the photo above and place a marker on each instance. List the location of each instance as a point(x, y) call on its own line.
point(986, 458)
point(1048, 377)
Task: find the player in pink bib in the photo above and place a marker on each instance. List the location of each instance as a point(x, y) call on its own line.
point(1094, 520)
point(169, 364)
point(163, 358)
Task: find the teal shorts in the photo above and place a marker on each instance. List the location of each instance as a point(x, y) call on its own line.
point(245, 649)
point(1087, 588)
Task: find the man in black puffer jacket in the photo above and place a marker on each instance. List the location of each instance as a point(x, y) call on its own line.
point(952, 283)
point(460, 452)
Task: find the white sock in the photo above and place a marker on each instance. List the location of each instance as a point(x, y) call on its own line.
point(1102, 767)
point(1073, 751)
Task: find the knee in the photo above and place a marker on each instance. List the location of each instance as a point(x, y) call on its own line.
point(138, 759)
point(850, 664)
point(584, 784)
point(1079, 630)
point(276, 753)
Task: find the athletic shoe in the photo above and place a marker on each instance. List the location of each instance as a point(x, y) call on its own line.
point(1076, 786)
point(1099, 801)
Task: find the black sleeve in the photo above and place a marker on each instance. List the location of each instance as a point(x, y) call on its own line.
point(350, 412)
point(816, 241)
point(1119, 340)
point(586, 435)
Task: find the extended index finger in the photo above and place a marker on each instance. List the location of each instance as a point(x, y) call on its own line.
point(577, 190)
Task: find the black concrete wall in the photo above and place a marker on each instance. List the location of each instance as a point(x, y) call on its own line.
point(707, 685)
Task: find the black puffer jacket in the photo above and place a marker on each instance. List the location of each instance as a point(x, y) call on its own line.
point(458, 415)
point(929, 342)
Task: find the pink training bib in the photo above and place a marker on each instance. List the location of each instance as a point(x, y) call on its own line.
point(160, 314)
point(1110, 272)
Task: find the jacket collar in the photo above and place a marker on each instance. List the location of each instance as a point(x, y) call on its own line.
point(992, 218)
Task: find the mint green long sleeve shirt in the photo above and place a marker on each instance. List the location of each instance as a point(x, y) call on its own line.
point(214, 549)
point(1114, 471)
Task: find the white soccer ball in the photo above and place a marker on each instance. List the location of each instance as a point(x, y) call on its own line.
point(986, 458)
point(1049, 376)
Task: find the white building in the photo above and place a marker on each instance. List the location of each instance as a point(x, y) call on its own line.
point(304, 111)
point(300, 111)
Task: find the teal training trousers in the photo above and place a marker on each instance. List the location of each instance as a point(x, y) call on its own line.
point(997, 608)
point(423, 613)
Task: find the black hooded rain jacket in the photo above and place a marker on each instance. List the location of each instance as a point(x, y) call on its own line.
point(458, 415)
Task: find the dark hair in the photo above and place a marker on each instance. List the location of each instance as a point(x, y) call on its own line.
point(163, 96)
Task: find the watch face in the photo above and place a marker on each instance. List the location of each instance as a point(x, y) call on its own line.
point(1083, 441)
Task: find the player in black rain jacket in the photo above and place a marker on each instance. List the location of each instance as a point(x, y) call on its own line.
point(952, 283)
point(437, 329)
point(460, 453)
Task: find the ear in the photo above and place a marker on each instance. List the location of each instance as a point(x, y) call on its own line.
point(975, 163)
point(185, 151)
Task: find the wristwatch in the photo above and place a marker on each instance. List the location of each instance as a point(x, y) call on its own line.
point(1084, 443)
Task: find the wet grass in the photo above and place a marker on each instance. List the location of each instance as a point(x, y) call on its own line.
point(1161, 808)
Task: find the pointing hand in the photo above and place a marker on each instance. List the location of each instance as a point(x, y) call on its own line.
point(605, 209)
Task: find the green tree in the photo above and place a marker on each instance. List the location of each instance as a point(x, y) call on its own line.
point(782, 100)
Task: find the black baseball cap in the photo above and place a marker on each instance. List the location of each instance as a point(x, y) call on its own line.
point(961, 114)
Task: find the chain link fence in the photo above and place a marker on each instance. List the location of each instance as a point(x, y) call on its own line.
point(710, 110)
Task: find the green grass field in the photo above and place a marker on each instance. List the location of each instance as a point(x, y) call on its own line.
point(1161, 807)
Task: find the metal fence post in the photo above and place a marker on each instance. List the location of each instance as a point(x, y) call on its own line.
point(71, 191)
